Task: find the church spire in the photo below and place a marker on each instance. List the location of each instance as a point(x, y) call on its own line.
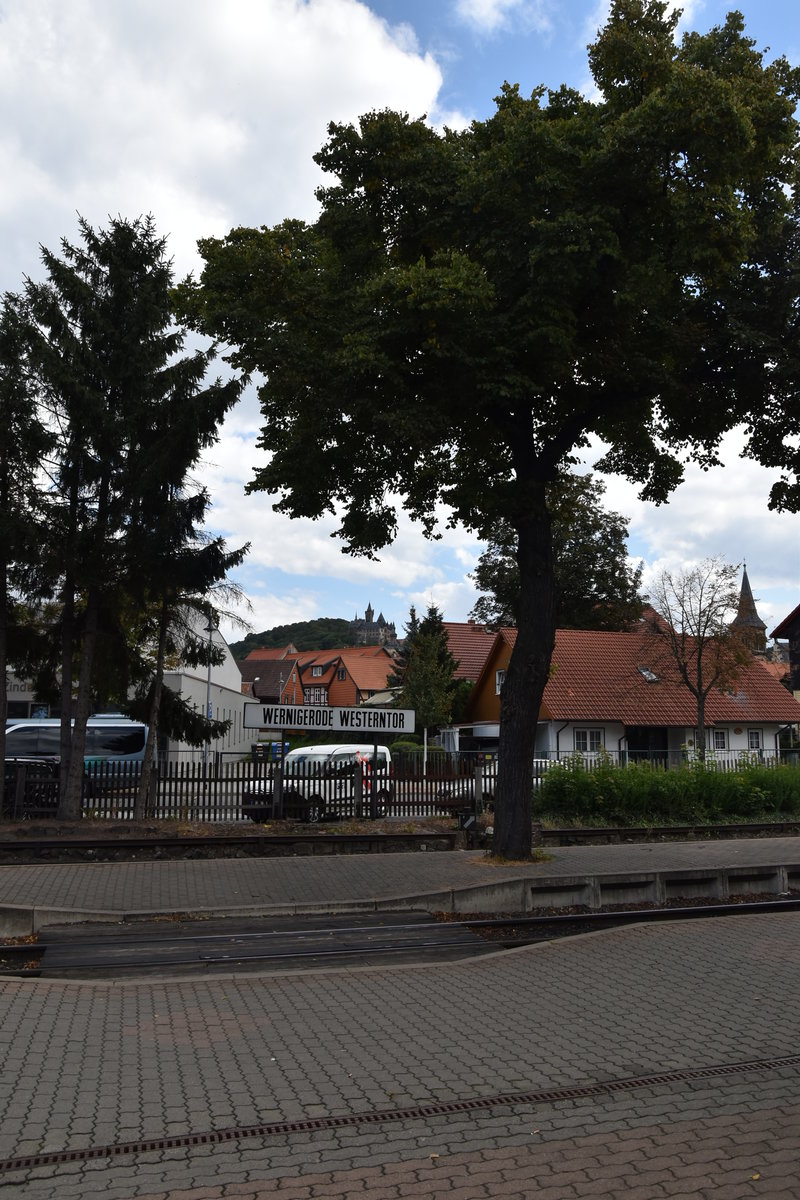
point(747, 622)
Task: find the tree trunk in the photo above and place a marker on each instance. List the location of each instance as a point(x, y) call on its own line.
point(71, 803)
point(527, 674)
point(67, 642)
point(67, 639)
point(701, 727)
point(143, 790)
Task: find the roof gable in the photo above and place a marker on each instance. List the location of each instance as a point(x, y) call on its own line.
point(628, 678)
point(470, 645)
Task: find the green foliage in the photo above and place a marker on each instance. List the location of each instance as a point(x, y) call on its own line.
point(324, 633)
point(410, 631)
point(410, 743)
point(596, 587)
point(428, 685)
point(127, 415)
point(24, 443)
point(648, 794)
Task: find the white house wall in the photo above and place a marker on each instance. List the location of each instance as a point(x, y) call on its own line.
point(226, 704)
point(557, 739)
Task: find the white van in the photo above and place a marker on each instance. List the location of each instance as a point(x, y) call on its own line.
point(319, 782)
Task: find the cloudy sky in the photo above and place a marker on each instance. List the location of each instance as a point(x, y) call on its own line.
point(206, 113)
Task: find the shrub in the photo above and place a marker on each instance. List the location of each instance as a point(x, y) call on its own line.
point(647, 793)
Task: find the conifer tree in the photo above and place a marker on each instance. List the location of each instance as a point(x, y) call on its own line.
point(131, 417)
point(428, 680)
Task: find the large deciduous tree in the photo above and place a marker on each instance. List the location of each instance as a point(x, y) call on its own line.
point(596, 585)
point(471, 306)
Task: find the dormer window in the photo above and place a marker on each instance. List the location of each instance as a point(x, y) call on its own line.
point(316, 672)
point(649, 675)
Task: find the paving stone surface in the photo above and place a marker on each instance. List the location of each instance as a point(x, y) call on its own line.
point(84, 1066)
point(240, 883)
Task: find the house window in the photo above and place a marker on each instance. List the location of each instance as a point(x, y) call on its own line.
point(341, 674)
point(499, 680)
point(588, 741)
point(316, 672)
point(754, 739)
point(720, 739)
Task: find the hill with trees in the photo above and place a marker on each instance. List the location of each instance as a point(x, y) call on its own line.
point(324, 633)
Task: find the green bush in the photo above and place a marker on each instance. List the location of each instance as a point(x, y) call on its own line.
point(649, 794)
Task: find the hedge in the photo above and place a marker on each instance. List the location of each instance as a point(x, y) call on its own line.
point(644, 793)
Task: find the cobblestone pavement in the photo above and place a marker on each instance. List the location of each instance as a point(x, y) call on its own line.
point(88, 1066)
point(239, 883)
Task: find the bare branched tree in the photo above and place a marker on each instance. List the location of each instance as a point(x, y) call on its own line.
point(692, 621)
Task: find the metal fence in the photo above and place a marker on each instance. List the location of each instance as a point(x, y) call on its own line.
point(240, 790)
point(227, 790)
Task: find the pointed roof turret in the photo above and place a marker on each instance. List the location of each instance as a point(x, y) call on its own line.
point(747, 622)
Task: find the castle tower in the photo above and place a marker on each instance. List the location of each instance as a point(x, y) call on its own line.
point(747, 623)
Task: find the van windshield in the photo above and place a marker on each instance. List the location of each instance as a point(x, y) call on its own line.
point(310, 761)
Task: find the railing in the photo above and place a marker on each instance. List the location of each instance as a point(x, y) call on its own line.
point(263, 790)
point(232, 791)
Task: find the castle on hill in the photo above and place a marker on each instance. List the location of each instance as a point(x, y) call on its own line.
point(369, 631)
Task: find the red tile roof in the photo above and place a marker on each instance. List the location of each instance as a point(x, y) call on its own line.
point(262, 652)
point(470, 644)
point(369, 674)
point(368, 666)
point(597, 676)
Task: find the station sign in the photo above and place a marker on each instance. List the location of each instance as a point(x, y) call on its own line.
point(321, 718)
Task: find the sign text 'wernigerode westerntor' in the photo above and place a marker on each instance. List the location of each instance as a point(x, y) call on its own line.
point(323, 718)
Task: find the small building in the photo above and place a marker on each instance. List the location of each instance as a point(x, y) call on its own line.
point(789, 629)
point(340, 678)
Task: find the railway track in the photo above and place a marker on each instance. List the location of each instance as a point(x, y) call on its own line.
point(191, 947)
point(122, 847)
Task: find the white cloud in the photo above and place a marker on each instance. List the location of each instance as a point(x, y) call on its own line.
point(493, 16)
point(204, 114)
point(718, 512)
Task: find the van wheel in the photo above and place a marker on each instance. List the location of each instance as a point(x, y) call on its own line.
point(382, 802)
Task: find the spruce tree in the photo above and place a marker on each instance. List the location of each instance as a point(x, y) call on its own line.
point(131, 418)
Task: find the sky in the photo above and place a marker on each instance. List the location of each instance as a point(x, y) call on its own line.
point(206, 114)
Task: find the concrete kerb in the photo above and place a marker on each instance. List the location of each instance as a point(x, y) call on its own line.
point(527, 894)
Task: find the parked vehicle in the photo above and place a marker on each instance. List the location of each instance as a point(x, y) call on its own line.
point(112, 738)
point(320, 782)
